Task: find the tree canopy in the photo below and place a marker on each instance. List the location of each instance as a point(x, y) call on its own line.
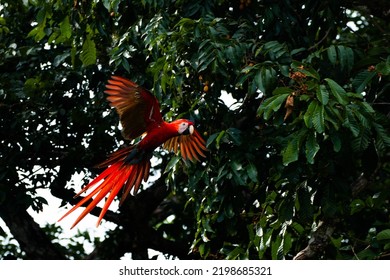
point(298, 167)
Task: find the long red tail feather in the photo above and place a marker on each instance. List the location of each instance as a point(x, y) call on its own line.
point(118, 175)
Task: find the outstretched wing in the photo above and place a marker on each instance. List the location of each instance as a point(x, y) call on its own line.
point(138, 109)
point(191, 146)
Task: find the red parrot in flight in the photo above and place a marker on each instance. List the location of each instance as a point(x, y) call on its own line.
point(139, 113)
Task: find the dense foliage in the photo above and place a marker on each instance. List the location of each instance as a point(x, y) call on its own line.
point(297, 167)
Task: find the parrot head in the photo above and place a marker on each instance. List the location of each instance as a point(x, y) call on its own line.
point(184, 127)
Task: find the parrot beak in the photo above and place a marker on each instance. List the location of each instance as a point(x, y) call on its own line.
point(190, 129)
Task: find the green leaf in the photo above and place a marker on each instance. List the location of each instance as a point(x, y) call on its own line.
point(265, 79)
point(322, 94)
point(290, 154)
point(312, 147)
point(236, 169)
point(59, 59)
point(366, 107)
point(383, 138)
point(361, 142)
point(206, 55)
point(346, 58)
point(362, 79)
point(296, 51)
point(298, 227)
point(38, 32)
point(234, 135)
point(204, 250)
point(252, 172)
point(286, 209)
point(307, 117)
point(351, 123)
point(335, 138)
point(125, 64)
point(362, 119)
point(282, 90)
point(88, 53)
point(304, 203)
point(367, 254)
point(219, 138)
point(383, 235)
point(211, 139)
point(382, 133)
point(275, 50)
point(334, 115)
point(275, 247)
point(287, 243)
point(66, 30)
point(318, 118)
point(172, 163)
point(337, 91)
point(356, 206)
point(271, 105)
point(332, 55)
point(383, 68)
point(295, 140)
point(235, 253)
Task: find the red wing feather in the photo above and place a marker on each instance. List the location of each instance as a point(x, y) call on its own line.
point(137, 108)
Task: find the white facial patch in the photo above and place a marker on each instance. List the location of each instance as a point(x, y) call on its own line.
point(182, 127)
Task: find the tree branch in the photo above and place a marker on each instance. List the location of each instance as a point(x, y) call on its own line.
point(317, 243)
point(31, 238)
point(321, 40)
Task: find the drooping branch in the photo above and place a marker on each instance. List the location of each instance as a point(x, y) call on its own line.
point(30, 236)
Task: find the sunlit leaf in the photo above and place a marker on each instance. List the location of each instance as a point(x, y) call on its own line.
point(88, 53)
point(383, 235)
point(66, 31)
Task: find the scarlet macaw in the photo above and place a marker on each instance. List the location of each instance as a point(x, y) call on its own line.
point(139, 113)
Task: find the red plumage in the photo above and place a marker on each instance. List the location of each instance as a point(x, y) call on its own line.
point(139, 113)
